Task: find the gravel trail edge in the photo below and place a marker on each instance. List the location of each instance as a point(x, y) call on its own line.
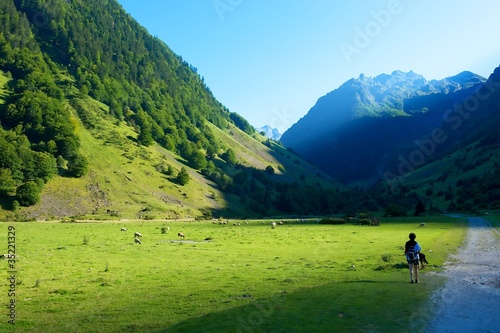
point(469, 301)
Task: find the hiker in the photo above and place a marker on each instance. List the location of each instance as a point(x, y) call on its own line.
point(412, 250)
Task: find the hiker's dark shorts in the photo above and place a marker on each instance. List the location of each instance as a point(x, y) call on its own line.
point(413, 262)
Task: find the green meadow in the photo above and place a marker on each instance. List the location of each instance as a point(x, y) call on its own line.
point(299, 277)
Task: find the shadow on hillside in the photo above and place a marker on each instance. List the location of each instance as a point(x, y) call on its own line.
point(131, 138)
point(345, 306)
point(6, 203)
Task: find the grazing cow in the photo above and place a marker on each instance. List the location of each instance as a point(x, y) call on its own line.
point(181, 235)
point(422, 224)
point(137, 234)
point(281, 223)
point(137, 240)
point(273, 225)
point(4, 256)
point(123, 229)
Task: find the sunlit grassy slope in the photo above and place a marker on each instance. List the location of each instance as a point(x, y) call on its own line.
point(3, 92)
point(124, 182)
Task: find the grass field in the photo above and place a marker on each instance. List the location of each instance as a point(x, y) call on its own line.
point(3, 92)
point(299, 277)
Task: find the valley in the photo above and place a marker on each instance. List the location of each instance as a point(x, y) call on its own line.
point(133, 199)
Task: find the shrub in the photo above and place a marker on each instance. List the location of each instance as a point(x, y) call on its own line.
point(206, 214)
point(77, 166)
point(365, 222)
point(183, 177)
point(387, 257)
point(332, 220)
point(28, 194)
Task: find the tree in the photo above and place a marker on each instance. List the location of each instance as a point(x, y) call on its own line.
point(270, 170)
point(61, 163)
point(170, 170)
point(77, 166)
point(28, 194)
point(45, 165)
point(211, 151)
point(395, 210)
point(7, 183)
point(84, 91)
point(145, 136)
point(183, 177)
point(229, 156)
point(197, 160)
point(241, 123)
point(419, 208)
point(15, 205)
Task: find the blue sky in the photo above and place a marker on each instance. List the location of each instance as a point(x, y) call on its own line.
point(270, 60)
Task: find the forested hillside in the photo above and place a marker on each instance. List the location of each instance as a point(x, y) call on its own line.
point(87, 93)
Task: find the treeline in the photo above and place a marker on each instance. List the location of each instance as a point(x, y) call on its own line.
point(54, 51)
point(266, 193)
point(116, 61)
point(36, 130)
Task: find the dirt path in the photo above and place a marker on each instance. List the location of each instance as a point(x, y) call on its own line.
point(470, 298)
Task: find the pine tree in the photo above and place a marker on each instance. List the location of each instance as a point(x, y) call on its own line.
point(183, 177)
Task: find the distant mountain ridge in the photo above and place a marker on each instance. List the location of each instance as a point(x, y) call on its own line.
point(271, 133)
point(381, 96)
point(355, 131)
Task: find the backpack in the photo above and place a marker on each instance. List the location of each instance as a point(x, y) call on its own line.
point(412, 254)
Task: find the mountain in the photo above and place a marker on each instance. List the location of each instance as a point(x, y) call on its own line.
point(99, 120)
point(366, 97)
point(271, 133)
point(368, 115)
point(405, 138)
